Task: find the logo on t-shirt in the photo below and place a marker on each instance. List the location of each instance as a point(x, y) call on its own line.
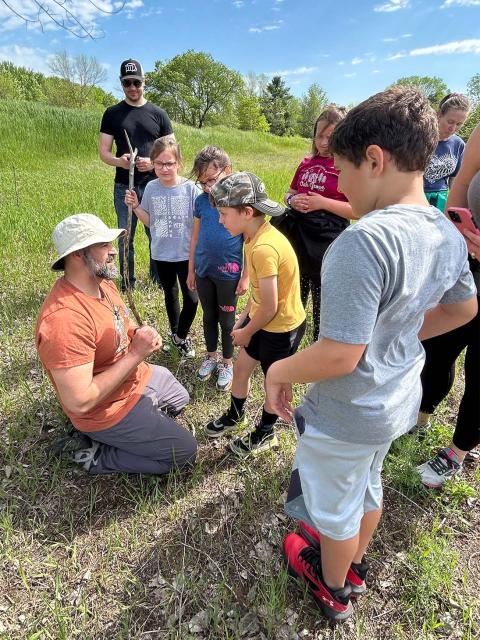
point(440, 167)
point(314, 179)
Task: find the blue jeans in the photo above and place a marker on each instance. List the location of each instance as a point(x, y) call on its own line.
point(122, 212)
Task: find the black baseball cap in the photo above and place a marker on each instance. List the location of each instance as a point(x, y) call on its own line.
point(131, 69)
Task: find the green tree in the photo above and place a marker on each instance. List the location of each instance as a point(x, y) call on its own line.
point(79, 75)
point(311, 106)
point(10, 88)
point(193, 87)
point(277, 107)
point(471, 122)
point(31, 84)
point(473, 88)
point(432, 86)
point(249, 114)
point(255, 83)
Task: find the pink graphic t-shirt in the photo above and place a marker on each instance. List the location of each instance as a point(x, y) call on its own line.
point(319, 175)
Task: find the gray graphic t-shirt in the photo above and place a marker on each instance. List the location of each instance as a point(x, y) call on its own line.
point(171, 218)
point(444, 164)
point(378, 279)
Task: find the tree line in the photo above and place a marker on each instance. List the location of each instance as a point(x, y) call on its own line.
point(197, 90)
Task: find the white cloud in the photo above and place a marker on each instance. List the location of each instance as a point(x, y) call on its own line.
point(299, 71)
point(268, 27)
point(406, 35)
point(238, 4)
point(460, 3)
point(457, 46)
point(85, 14)
point(392, 5)
point(357, 60)
point(375, 70)
point(396, 56)
point(389, 39)
point(341, 63)
point(349, 75)
point(35, 59)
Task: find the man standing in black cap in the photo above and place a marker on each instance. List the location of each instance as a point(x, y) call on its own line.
point(144, 123)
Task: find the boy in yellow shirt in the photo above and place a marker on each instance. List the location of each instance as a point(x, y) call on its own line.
point(272, 324)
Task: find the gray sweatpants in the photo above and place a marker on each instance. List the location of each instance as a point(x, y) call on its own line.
point(147, 440)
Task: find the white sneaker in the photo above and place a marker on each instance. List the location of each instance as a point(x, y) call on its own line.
point(225, 376)
point(208, 366)
point(439, 469)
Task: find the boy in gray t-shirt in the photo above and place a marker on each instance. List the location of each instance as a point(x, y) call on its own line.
point(397, 276)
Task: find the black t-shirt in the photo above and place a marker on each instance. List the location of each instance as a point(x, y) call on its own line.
point(143, 124)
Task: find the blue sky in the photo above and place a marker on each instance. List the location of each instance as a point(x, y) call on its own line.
point(352, 49)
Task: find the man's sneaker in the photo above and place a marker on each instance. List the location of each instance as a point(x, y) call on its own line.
point(357, 572)
point(184, 347)
point(73, 441)
point(254, 443)
point(304, 562)
point(439, 469)
point(208, 366)
point(77, 447)
point(87, 458)
point(225, 376)
point(224, 424)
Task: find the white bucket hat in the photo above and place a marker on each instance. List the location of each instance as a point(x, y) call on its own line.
point(78, 232)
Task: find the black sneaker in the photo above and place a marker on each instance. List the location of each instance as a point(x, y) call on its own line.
point(224, 424)
point(254, 443)
point(79, 448)
point(184, 347)
point(74, 441)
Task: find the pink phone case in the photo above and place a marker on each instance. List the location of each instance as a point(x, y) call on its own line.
point(462, 218)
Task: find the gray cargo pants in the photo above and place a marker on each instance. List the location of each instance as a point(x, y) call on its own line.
point(147, 440)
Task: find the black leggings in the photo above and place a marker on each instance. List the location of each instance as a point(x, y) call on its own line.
point(219, 301)
point(313, 284)
point(439, 373)
point(168, 272)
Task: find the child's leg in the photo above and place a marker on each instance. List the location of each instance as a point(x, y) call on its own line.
point(243, 368)
point(304, 289)
point(207, 293)
point(242, 371)
point(315, 285)
point(190, 301)
point(227, 303)
point(167, 274)
point(347, 509)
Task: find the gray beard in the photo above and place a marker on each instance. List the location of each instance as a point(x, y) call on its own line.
point(98, 270)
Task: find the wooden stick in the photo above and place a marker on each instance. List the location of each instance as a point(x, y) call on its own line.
point(128, 233)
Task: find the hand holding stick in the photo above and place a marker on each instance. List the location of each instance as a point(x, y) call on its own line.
point(126, 240)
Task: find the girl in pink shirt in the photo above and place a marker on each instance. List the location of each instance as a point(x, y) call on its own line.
point(317, 212)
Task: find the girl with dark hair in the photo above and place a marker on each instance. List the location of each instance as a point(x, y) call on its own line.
point(317, 212)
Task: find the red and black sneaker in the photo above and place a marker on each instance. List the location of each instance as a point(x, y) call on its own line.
point(358, 570)
point(304, 562)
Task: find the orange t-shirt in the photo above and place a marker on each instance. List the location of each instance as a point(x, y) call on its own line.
point(73, 329)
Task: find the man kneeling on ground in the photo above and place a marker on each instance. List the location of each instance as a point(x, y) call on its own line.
point(94, 357)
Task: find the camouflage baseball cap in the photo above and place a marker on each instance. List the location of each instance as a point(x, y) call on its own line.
point(244, 188)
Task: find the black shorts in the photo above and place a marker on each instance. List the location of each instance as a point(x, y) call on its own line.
point(267, 347)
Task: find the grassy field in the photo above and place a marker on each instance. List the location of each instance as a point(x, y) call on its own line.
point(196, 555)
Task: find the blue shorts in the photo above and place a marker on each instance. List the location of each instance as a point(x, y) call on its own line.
point(334, 483)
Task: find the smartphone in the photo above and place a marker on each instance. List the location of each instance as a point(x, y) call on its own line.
point(462, 218)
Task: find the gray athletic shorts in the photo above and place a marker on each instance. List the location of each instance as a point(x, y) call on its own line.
point(334, 483)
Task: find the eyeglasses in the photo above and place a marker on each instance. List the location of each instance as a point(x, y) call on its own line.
point(164, 165)
point(211, 181)
point(128, 83)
